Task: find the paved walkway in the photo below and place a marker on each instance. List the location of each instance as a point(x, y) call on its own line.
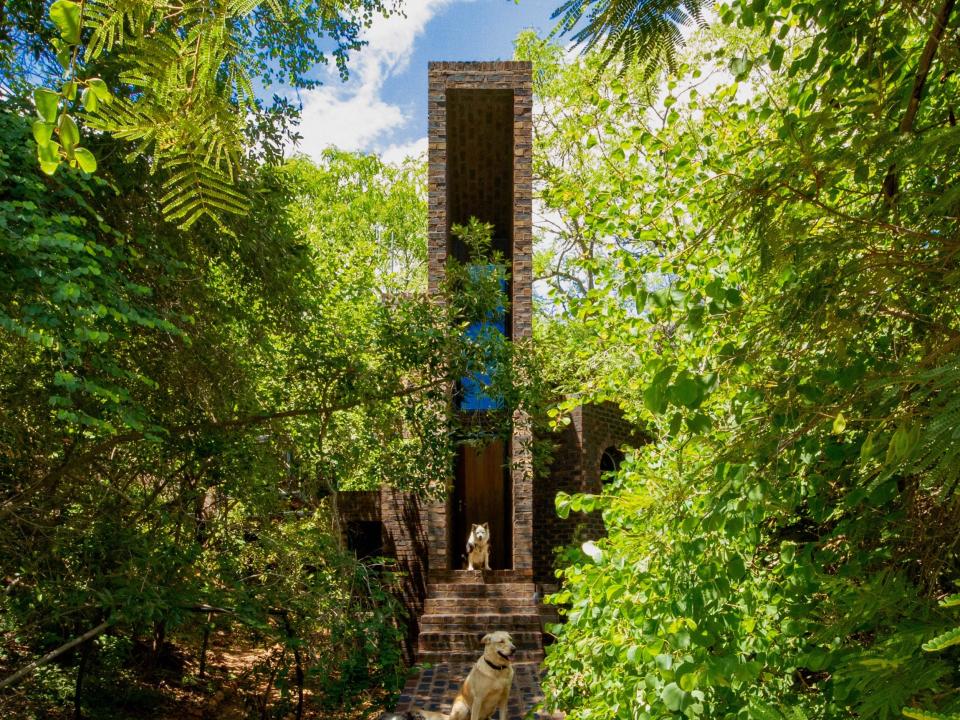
point(436, 687)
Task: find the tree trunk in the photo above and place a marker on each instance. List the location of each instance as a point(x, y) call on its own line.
point(85, 651)
point(298, 661)
point(891, 183)
point(203, 647)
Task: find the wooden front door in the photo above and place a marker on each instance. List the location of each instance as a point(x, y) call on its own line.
point(482, 494)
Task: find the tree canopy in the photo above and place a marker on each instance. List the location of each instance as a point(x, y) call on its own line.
point(175, 82)
point(771, 265)
point(747, 238)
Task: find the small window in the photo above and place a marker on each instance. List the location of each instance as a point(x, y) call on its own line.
point(365, 538)
point(610, 462)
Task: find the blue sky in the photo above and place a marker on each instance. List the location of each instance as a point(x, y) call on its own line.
point(382, 108)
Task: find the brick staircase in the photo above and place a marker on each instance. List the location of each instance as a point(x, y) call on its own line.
point(463, 605)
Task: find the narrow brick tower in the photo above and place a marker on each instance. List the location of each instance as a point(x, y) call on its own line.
point(480, 145)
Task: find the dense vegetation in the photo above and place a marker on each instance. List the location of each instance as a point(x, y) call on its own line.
point(757, 256)
point(178, 410)
point(749, 240)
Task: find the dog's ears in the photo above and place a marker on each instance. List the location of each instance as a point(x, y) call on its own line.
point(486, 525)
point(486, 639)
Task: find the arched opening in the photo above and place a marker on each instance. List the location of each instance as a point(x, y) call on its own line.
point(610, 463)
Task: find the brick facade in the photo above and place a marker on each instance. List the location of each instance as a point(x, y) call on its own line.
point(575, 467)
point(477, 129)
point(480, 152)
point(402, 536)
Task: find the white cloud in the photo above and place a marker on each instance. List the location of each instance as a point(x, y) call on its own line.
point(351, 121)
point(401, 151)
point(353, 115)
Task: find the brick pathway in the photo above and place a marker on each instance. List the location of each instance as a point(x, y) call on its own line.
point(437, 686)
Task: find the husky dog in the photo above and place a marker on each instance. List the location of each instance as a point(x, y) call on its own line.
point(478, 546)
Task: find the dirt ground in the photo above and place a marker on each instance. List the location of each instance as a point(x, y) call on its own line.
point(234, 688)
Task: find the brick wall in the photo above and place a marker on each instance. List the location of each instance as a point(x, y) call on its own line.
point(578, 448)
point(403, 538)
point(477, 132)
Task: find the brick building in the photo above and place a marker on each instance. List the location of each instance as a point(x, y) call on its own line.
point(480, 154)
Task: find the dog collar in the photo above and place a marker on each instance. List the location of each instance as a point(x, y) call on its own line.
point(495, 667)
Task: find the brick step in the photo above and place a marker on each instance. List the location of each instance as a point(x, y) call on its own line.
point(480, 622)
point(458, 590)
point(479, 576)
point(470, 641)
point(486, 605)
point(467, 659)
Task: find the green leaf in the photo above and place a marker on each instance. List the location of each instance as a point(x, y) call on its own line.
point(699, 423)
point(49, 156)
point(66, 15)
point(89, 100)
point(943, 641)
point(740, 66)
point(42, 131)
point(686, 391)
point(655, 396)
point(100, 89)
point(736, 568)
point(86, 160)
point(951, 601)
point(839, 424)
point(675, 698)
point(775, 56)
point(69, 132)
point(47, 102)
point(591, 550)
point(920, 714)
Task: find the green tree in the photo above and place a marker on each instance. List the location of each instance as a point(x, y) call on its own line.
point(179, 410)
point(176, 82)
point(644, 32)
point(781, 317)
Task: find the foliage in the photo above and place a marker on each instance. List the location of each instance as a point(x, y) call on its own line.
point(773, 297)
point(647, 33)
point(179, 410)
point(177, 82)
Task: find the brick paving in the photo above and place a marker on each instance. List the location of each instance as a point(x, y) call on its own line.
point(436, 687)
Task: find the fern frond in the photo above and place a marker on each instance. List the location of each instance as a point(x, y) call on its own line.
point(644, 32)
point(241, 8)
point(187, 85)
point(951, 601)
point(196, 190)
point(919, 714)
point(943, 641)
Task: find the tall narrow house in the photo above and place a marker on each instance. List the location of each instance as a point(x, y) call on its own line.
point(480, 145)
point(480, 157)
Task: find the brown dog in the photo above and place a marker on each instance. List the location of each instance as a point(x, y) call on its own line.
point(487, 687)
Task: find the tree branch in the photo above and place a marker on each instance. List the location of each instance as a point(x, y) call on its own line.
point(26, 670)
point(891, 185)
point(50, 480)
